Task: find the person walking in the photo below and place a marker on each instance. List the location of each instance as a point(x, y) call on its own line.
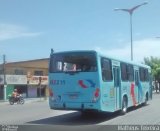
point(156, 86)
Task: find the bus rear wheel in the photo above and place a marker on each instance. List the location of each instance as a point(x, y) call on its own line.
point(146, 100)
point(88, 112)
point(124, 106)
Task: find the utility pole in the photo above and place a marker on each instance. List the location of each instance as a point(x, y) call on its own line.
point(40, 79)
point(130, 11)
point(4, 74)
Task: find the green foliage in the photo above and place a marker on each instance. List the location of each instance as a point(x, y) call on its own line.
point(154, 63)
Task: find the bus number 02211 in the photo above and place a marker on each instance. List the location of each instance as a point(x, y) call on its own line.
point(57, 82)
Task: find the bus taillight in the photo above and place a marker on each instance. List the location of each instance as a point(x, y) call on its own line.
point(96, 95)
point(50, 92)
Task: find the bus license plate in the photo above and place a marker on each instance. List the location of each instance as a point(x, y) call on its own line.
point(73, 96)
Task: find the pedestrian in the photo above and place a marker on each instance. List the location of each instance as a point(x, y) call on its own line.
point(156, 86)
point(159, 86)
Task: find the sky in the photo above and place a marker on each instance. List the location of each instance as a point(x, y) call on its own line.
point(30, 28)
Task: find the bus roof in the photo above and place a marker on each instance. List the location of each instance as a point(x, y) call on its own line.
point(106, 56)
point(122, 60)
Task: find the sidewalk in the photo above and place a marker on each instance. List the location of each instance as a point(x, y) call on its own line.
point(27, 100)
point(154, 92)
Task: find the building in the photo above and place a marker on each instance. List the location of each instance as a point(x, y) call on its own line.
point(30, 78)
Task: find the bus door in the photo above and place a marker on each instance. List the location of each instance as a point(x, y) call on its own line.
point(137, 88)
point(117, 86)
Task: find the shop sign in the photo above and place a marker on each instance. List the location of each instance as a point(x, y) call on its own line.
point(35, 80)
point(16, 79)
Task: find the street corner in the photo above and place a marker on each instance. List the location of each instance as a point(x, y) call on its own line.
point(32, 100)
point(4, 103)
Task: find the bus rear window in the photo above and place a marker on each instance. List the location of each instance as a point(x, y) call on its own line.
point(66, 62)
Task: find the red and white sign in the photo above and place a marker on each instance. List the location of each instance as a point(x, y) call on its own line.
point(35, 80)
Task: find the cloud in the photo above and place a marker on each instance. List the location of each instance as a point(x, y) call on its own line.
point(141, 49)
point(8, 31)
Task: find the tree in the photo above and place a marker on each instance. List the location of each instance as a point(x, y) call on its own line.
point(154, 63)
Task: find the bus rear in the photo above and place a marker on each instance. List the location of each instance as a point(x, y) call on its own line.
point(73, 81)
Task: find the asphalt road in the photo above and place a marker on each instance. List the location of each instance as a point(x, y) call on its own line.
point(40, 113)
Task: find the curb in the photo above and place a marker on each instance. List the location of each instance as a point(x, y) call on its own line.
point(26, 101)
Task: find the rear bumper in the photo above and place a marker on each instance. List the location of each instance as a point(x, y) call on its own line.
point(73, 106)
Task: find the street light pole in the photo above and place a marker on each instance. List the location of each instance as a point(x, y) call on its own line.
point(40, 79)
point(131, 37)
point(130, 11)
point(4, 73)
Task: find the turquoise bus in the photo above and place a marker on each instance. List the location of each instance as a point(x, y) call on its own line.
point(88, 80)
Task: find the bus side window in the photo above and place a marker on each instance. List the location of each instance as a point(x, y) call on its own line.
point(58, 66)
point(124, 74)
point(106, 69)
point(130, 72)
point(136, 78)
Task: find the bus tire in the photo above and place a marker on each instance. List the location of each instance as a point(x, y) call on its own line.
point(89, 112)
point(86, 112)
point(124, 106)
point(146, 99)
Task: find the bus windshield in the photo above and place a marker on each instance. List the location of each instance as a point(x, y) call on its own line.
point(73, 62)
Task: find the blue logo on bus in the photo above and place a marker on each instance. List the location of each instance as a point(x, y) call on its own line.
point(86, 83)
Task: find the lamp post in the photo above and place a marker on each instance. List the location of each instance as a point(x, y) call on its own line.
point(4, 75)
point(40, 78)
point(130, 11)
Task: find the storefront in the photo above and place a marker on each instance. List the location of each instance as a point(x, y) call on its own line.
point(1, 92)
point(18, 82)
point(1, 87)
point(37, 86)
point(32, 91)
